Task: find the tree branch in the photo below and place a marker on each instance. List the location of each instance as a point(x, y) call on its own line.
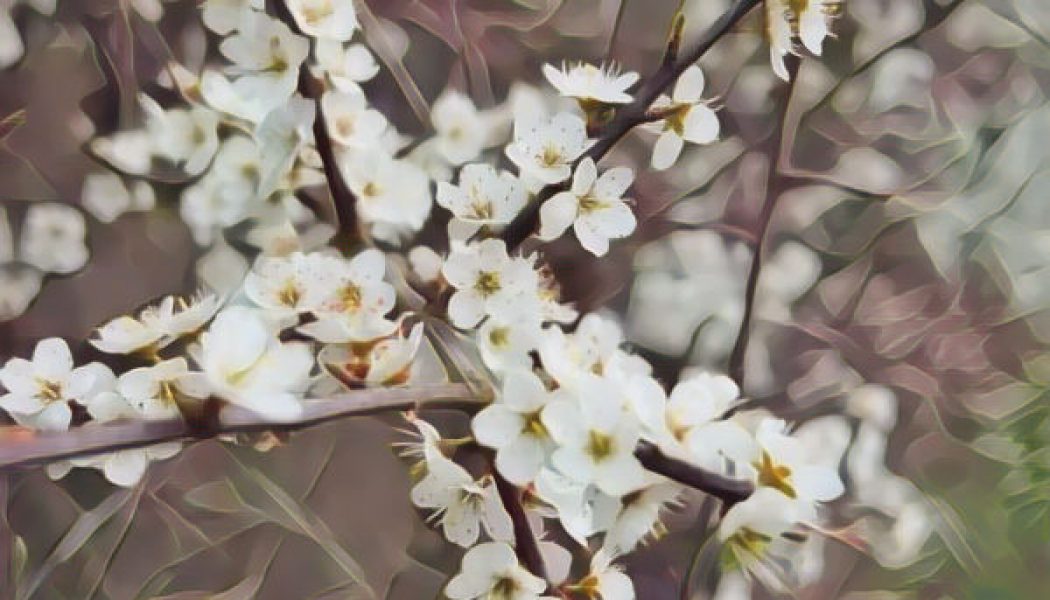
point(525, 544)
point(773, 190)
point(631, 115)
point(20, 447)
point(344, 202)
point(728, 490)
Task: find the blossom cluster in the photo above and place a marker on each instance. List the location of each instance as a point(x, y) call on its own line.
point(572, 405)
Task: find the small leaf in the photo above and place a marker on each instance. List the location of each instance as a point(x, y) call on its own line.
point(217, 496)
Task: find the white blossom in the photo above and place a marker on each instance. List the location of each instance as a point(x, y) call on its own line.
point(345, 67)
point(490, 571)
point(687, 118)
point(105, 196)
point(187, 137)
point(390, 361)
point(605, 579)
point(779, 461)
point(513, 426)
point(52, 238)
point(349, 299)
point(225, 16)
point(461, 133)
point(486, 279)
point(393, 195)
point(593, 206)
point(247, 365)
point(588, 83)
point(545, 148)
point(462, 505)
point(483, 197)
point(596, 438)
point(350, 121)
point(39, 390)
point(325, 19)
point(155, 391)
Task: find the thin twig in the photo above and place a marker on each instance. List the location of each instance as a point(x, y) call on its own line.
point(19, 447)
point(773, 190)
point(631, 115)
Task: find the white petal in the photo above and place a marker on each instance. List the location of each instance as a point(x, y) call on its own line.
point(125, 467)
point(614, 182)
point(585, 176)
point(690, 85)
point(701, 125)
point(818, 483)
point(666, 150)
point(496, 426)
point(523, 391)
point(520, 461)
point(466, 308)
point(556, 215)
point(52, 359)
point(55, 417)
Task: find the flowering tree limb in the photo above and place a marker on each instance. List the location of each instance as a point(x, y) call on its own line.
point(525, 544)
point(18, 448)
point(631, 115)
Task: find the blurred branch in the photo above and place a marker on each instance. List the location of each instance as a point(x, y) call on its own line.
point(631, 115)
point(344, 201)
point(19, 447)
point(774, 188)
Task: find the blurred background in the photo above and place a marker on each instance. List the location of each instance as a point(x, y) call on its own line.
point(904, 291)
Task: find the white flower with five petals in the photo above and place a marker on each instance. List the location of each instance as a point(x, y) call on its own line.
point(325, 19)
point(461, 504)
point(486, 279)
point(686, 118)
point(544, 149)
point(39, 390)
point(513, 426)
point(483, 196)
point(594, 207)
point(491, 571)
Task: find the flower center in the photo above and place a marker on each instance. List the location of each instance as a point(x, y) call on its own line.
point(750, 540)
point(345, 126)
point(316, 11)
point(675, 119)
point(504, 587)
point(48, 391)
point(551, 156)
point(589, 204)
point(371, 189)
point(600, 446)
point(350, 297)
point(289, 295)
point(487, 283)
point(499, 336)
point(775, 476)
point(534, 426)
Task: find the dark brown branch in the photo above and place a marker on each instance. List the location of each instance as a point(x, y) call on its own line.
point(525, 544)
point(774, 185)
point(728, 490)
point(631, 115)
point(20, 447)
